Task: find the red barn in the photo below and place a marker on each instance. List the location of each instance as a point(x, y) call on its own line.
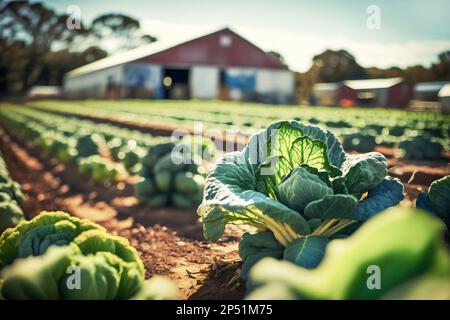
point(221, 64)
point(389, 92)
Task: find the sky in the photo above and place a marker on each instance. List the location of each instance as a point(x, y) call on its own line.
point(400, 33)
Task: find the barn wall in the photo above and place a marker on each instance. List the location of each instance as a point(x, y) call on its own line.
point(263, 85)
point(204, 82)
point(275, 86)
point(100, 84)
point(142, 81)
point(346, 96)
point(241, 83)
point(399, 95)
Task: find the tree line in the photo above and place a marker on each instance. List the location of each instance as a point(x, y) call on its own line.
point(38, 48)
point(340, 65)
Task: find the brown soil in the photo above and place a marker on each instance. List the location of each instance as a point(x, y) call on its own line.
point(201, 270)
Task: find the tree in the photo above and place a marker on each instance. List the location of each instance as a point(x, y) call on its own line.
point(329, 66)
point(37, 47)
point(119, 32)
point(333, 66)
point(35, 27)
point(441, 70)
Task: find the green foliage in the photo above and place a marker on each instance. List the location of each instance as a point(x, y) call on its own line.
point(167, 178)
point(437, 199)
point(420, 148)
point(88, 145)
point(296, 182)
point(361, 142)
point(56, 256)
point(10, 197)
point(100, 169)
point(34, 237)
point(405, 244)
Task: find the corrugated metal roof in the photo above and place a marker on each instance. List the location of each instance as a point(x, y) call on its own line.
point(429, 86)
point(372, 83)
point(329, 86)
point(445, 91)
point(124, 57)
point(182, 52)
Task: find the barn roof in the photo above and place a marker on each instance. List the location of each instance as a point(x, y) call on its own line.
point(373, 83)
point(223, 47)
point(445, 91)
point(433, 86)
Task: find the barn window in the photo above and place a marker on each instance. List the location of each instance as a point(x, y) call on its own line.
point(225, 40)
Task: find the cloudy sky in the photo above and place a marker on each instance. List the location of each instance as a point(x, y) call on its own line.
point(410, 31)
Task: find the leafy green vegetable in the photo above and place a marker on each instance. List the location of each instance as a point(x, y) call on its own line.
point(437, 200)
point(306, 251)
point(296, 182)
point(361, 142)
point(34, 237)
point(405, 244)
point(100, 169)
point(166, 178)
point(420, 148)
point(254, 247)
point(62, 257)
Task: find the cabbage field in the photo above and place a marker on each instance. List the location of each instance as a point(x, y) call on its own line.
point(149, 200)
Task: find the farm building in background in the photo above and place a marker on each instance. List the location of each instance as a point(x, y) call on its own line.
point(444, 98)
point(428, 91)
point(389, 92)
point(426, 95)
point(333, 94)
point(219, 65)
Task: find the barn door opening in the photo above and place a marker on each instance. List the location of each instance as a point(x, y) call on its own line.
point(176, 83)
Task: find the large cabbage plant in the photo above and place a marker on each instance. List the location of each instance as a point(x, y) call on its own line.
point(295, 184)
point(40, 256)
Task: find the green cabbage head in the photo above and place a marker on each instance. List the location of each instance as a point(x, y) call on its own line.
point(57, 256)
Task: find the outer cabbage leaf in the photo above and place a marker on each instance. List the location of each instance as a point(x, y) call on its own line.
point(439, 193)
point(130, 266)
point(10, 214)
point(99, 278)
point(387, 194)
point(331, 206)
point(423, 202)
point(254, 247)
point(36, 278)
point(252, 208)
point(364, 172)
point(306, 252)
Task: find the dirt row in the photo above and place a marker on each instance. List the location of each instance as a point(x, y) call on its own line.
point(168, 240)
